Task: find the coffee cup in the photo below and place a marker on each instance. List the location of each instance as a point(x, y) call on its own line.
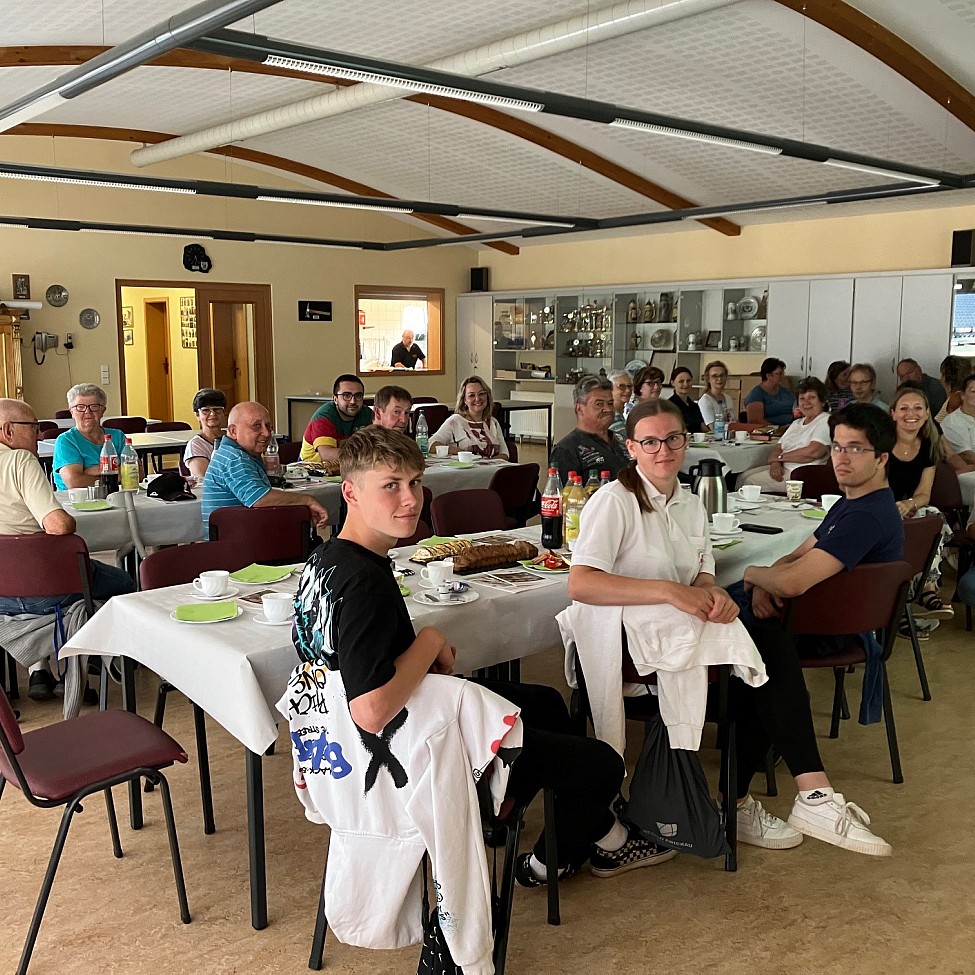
point(750, 492)
point(699, 437)
point(441, 450)
point(793, 490)
point(278, 606)
point(213, 583)
point(741, 435)
point(437, 573)
point(724, 522)
point(77, 495)
point(465, 456)
point(829, 500)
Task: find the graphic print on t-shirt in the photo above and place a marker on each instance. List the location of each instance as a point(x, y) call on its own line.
point(316, 615)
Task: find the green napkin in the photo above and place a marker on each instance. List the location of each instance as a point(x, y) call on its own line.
point(261, 574)
point(436, 540)
point(333, 479)
point(99, 504)
point(817, 513)
point(458, 465)
point(206, 612)
point(403, 591)
point(724, 545)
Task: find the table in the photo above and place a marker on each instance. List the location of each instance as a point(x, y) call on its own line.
point(169, 442)
point(737, 456)
point(509, 406)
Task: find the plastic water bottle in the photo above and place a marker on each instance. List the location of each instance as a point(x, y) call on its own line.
point(129, 467)
point(720, 425)
point(605, 478)
point(272, 458)
point(423, 434)
point(592, 485)
point(108, 466)
point(552, 512)
point(573, 512)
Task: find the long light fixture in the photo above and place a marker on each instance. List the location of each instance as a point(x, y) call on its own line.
point(378, 207)
point(373, 78)
point(880, 171)
point(717, 140)
point(88, 181)
point(514, 220)
point(744, 208)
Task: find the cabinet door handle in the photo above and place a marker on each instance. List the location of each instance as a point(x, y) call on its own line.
point(802, 363)
point(810, 366)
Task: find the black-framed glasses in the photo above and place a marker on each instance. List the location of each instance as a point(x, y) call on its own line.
point(854, 450)
point(26, 423)
point(88, 408)
point(350, 396)
point(652, 382)
point(652, 445)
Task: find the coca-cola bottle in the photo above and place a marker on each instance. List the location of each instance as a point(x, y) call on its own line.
point(108, 466)
point(552, 512)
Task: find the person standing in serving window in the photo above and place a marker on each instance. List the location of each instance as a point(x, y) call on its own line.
point(407, 354)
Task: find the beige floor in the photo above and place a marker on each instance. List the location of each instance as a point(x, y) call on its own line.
point(815, 909)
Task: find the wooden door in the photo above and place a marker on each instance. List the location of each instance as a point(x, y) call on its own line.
point(159, 385)
point(229, 340)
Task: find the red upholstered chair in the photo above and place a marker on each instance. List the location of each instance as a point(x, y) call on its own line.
point(62, 414)
point(817, 480)
point(921, 536)
point(423, 400)
point(518, 489)
point(50, 434)
point(127, 424)
point(869, 597)
point(64, 763)
point(436, 415)
point(177, 566)
point(473, 510)
point(290, 451)
point(512, 451)
point(44, 425)
point(275, 534)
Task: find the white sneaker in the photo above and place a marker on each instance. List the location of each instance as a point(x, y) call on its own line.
point(758, 827)
point(827, 816)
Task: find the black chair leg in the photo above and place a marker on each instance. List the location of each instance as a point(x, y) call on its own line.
point(321, 929)
point(918, 659)
point(730, 801)
point(895, 755)
point(157, 717)
point(103, 689)
point(113, 824)
point(839, 678)
point(203, 759)
point(502, 926)
point(184, 907)
point(551, 857)
point(771, 787)
point(13, 684)
point(968, 619)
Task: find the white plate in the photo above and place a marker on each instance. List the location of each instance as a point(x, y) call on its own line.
point(424, 584)
point(172, 616)
point(746, 505)
point(260, 618)
point(428, 599)
point(734, 531)
point(232, 591)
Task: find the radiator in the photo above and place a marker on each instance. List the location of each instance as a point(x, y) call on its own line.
point(530, 424)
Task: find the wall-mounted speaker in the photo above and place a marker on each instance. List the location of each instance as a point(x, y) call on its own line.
point(479, 279)
point(963, 248)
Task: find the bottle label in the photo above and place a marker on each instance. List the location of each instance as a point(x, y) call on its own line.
point(551, 506)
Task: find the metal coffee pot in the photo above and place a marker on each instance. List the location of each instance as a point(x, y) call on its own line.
point(708, 484)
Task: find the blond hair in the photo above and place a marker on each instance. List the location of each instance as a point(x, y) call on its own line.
point(372, 447)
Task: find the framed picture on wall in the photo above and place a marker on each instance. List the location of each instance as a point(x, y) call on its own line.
point(713, 340)
point(128, 336)
point(127, 318)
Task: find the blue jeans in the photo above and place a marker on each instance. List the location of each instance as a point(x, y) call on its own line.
point(107, 581)
point(966, 588)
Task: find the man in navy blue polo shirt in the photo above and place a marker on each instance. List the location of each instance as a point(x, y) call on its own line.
point(236, 474)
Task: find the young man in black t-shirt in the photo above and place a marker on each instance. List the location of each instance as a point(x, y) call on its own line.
point(353, 618)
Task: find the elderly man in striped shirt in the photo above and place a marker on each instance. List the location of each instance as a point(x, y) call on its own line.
point(236, 474)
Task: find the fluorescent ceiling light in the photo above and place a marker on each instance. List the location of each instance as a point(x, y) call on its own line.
point(627, 123)
point(148, 232)
point(15, 226)
point(515, 220)
point(335, 203)
point(308, 243)
point(374, 78)
point(747, 209)
point(76, 181)
point(878, 171)
point(31, 110)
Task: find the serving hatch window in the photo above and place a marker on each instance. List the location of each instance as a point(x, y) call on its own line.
point(388, 317)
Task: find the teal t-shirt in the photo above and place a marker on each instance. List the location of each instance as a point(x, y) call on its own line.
point(74, 448)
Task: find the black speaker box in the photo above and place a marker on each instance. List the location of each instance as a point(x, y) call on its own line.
point(963, 248)
point(479, 279)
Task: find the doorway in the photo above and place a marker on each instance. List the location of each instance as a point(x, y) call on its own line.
point(158, 382)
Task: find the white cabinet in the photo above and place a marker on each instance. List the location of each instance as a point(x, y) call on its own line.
point(925, 320)
point(830, 324)
point(475, 335)
point(876, 328)
point(788, 324)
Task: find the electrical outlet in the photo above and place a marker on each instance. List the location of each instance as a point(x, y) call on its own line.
point(68, 342)
point(105, 379)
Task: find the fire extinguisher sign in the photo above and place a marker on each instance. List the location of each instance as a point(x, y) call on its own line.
point(362, 319)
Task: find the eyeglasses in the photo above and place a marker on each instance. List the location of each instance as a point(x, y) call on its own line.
point(854, 450)
point(349, 396)
point(674, 442)
point(210, 410)
point(860, 382)
point(88, 408)
point(26, 423)
point(653, 382)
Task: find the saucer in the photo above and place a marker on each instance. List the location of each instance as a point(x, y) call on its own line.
point(232, 591)
point(428, 599)
point(746, 505)
point(734, 531)
point(260, 618)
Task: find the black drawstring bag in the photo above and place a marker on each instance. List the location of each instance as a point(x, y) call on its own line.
point(435, 957)
point(669, 798)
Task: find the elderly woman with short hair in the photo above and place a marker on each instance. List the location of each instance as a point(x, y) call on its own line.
point(77, 451)
point(210, 406)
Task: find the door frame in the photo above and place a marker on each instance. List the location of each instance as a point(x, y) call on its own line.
point(258, 294)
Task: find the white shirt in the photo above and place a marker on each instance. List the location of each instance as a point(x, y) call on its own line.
point(709, 404)
point(959, 428)
point(670, 543)
point(801, 434)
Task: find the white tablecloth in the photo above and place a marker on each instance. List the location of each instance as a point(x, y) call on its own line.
point(171, 441)
point(736, 457)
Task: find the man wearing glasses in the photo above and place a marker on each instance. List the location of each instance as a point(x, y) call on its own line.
point(334, 422)
point(77, 451)
point(592, 446)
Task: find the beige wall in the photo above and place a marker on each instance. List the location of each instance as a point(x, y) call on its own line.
point(307, 356)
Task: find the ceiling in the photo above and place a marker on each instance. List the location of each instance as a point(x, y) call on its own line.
point(757, 65)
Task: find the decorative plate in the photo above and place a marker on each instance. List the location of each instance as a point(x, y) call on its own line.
point(662, 339)
point(747, 307)
point(756, 341)
point(57, 295)
point(89, 318)
point(634, 366)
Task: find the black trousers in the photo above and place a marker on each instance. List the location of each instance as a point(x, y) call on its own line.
point(585, 773)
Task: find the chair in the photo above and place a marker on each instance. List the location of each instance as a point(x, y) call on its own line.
point(921, 537)
point(512, 451)
point(436, 417)
point(290, 452)
point(127, 424)
point(47, 425)
point(50, 434)
point(473, 510)
point(62, 414)
point(423, 400)
point(869, 597)
point(946, 496)
point(275, 534)
point(64, 763)
point(518, 489)
point(173, 567)
point(817, 480)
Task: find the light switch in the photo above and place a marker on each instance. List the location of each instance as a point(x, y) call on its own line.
point(105, 379)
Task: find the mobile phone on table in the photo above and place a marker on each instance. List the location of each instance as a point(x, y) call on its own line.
point(762, 529)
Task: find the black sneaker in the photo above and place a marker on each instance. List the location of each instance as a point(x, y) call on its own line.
point(636, 852)
point(525, 878)
point(40, 686)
